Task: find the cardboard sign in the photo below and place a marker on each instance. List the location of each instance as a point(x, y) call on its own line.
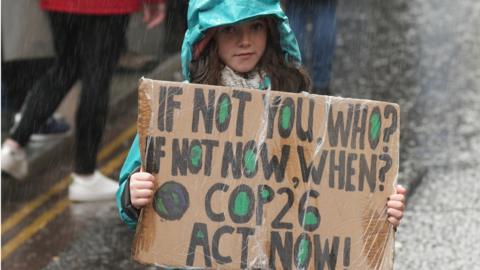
point(264, 179)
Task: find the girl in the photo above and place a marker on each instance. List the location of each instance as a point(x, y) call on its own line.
point(254, 48)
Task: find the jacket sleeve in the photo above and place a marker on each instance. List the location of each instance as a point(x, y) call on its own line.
point(128, 213)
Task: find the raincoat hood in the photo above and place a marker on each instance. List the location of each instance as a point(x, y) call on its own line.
point(207, 14)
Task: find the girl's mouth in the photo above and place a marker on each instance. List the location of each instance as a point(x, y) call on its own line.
point(244, 55)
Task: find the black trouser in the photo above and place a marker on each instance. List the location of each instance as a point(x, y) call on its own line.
point(175, 25)
point(87, 48)
point(18, 76)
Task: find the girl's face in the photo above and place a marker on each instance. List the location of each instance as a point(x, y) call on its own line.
point(241, 46)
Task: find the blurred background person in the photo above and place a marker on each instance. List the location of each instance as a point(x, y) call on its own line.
point(27, 52)
point(175, 25)
point(87, 37)
point(314, 25)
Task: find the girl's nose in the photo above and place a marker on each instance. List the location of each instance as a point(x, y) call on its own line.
point(244, 39)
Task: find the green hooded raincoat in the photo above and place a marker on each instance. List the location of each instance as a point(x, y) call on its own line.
point(204, 15)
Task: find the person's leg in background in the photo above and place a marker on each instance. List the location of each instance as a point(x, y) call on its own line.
point(175, 25)
point(317, 46)
point(46, 95)
point(323, 42)
point(298, 15)
point(19, 77)
point(101, 47)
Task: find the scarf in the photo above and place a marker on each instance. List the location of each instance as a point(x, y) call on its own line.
point(254, 79)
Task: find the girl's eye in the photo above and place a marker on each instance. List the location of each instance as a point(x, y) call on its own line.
point(228, 29)
point(258, 26)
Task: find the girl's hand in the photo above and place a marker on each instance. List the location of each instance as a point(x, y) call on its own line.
point(141, 189)
point(396, 206)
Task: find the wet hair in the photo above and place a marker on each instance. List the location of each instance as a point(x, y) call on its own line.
point(286, 76)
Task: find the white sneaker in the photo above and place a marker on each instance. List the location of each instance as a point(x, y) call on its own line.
point(95, 187)
point(14, 161)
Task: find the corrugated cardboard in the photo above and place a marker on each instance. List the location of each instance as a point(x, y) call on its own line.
point(264, 179)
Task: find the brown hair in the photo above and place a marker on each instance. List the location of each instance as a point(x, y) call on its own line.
point(285, 75)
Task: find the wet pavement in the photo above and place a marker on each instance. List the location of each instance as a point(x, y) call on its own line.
point(424, 55)
point(421, 54)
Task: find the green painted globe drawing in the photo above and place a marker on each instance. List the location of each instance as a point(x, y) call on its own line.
point(171, 200)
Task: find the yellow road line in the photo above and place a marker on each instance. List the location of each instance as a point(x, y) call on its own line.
point(49, 215)
point(32, 205)
point(29, 207)
point(33, 228)
point(57, 188)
